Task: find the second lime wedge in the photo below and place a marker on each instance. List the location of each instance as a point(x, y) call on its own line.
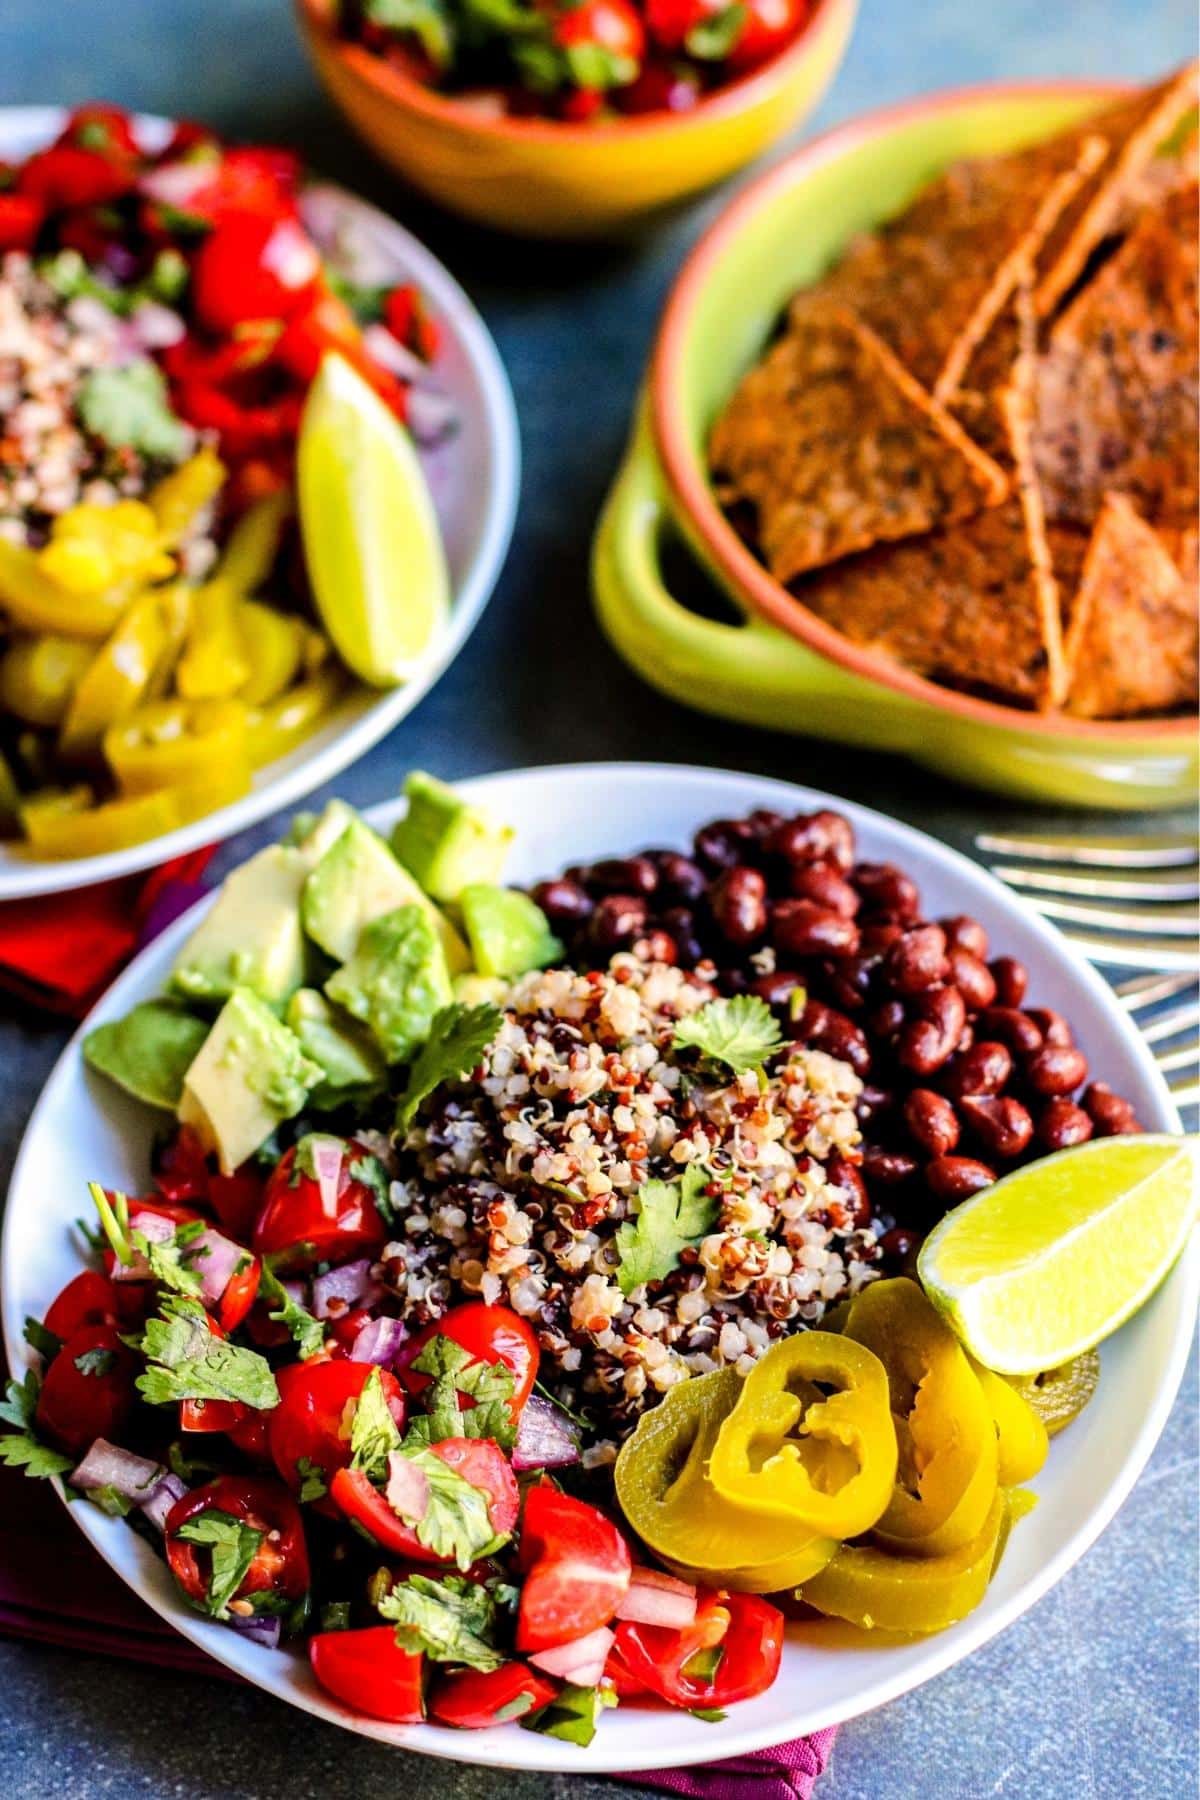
point(371, 536)
point(1039, 1268)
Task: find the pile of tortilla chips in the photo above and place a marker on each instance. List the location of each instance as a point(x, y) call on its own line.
point(973, 447)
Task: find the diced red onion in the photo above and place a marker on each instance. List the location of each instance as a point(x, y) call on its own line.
point(214, 1257)
point(407, 1489)
point(391, 354)
point(431, 414)
point(260, 1628)
point(378, 1341)
point(654, 1599)
point(291, 256)
point(175, 184)
point(107, 1465)
point(156, 1228)
point(156, 327)
point(169, 1490)
point(352, 1283)
point(580, 1662)
point(546, 1438)
point(328, 1154)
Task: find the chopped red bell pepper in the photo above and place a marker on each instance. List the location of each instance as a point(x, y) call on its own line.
point(66, 176)
point(21, 217)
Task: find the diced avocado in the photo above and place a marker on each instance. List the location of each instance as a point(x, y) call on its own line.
point(149, 1051)
point(250, 1075)
point(357, 881)
point(315, 833)
point(396, 980)
point(477, 990)
point(252, 936)
point(508, 932)
point(344, 1051)
point(445, 843)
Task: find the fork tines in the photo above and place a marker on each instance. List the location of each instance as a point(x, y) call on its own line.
point(1156, 850)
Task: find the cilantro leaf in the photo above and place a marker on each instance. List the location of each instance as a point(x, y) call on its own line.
point(427, 20)
point(572, 1715)
point(233, 1544)
point(452, 1621)
point(455, 1372)
point(313, 1485)
point(371, 1172)
point(126, 406)
point(21, 1450)
point(374, 1433)
point(186, 1362)
point(671, 1215)
point(44, 1342)
point(457, 1039)
point(740, 1032)
point(308, 1333)
point(96, 1362)
point(711, 1715)
point(110, 1501)
point(714, 36)
point(456, 1524)
point(20, 1401)
point(167, 1262)
point(306, 1154)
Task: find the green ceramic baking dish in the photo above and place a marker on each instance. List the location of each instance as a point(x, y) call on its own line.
point(781, 666)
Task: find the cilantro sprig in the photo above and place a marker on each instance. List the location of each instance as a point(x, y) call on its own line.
point(374, 1434)
point(572, 1715)
point(186, 1362)
point(451, 1621)
point(308, 1332)
point(167, 1259)
point(233, 1545)
point(457, 1039)
point(671, 1216)
point(740, 1033)
point(454, 1372)
point(21, 1448)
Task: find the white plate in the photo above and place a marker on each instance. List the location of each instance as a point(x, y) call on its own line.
point(83, 1129)
point(474, 476)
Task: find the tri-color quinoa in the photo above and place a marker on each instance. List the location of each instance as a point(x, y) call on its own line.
point(514, 1183)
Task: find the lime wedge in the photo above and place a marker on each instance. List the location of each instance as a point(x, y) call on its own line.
point(1040, 1267)
point(371, 536)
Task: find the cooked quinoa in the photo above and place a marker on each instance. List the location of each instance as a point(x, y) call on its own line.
point(48, 462)
point(514, 1183)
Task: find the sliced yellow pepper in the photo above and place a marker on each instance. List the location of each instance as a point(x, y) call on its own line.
point(119, 675)
point(948, 1453)
point(278, 727)
point(825, 1462)
point(40, 809)
point(253, 545)
point(34, 602)
point(214, 663)
point(10, 801)
point(180, 496)
point(875, 1588)
point(273, 646)
point(666, 1497)
point(119, 823)
point(94, 549)
point(38, 675)
point(169, 743)
point(1021, 1441)
point(1059, 1395)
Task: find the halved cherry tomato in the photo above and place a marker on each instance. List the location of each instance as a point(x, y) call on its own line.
point(473, 1699)
point(212, 1415)
point(237, 1201)
point(64, 176)
point(240, 1293)
point(88, 1390)
point(768, 26)
point(613, 26)
point(342, 1332)
point(367, 1671)
point(280, 1564)
point(250, 1435)
point(253, 266)
point(315, 1413)
point(625, 1682)
point(87, 1299)
point(295, 1229)
point(477, 1460)
point(748, 1630)
point(181, 1172)
point(21, 217)
point(107, 130)
point(576, 1565)
point(489, 1334)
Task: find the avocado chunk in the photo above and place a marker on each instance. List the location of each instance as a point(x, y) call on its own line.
point(396, 980)
point(251, 936)
point(347, 1054)
point(445, 843)
point(479, 990)
point(149, 1051)
point(250, 1075)
point(357, 881)
point(315, 833)
point(508, 933)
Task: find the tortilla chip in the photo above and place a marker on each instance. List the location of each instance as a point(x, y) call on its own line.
point(1182, 545)
point(837, 448)
point(1005, 360)
point(1117, 386)
point(1135, 128)
point(1133, 641)
point(931, 283)
point(1167, 174)
point(967, 606)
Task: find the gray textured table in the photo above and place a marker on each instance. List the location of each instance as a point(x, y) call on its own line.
point(1093, 1694)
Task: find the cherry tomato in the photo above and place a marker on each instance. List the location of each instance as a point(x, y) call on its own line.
point(618, 1672)
point(489, 1334)
point(477, 1460)
point(181, 1172)
point(294, 1225)
point(253, 266)
point(748, 1630)
point(473, 1699)
point(237, 1201)
point(239, 1295)
point(367, 1671)
point(660, 88)
point(669, 22)
point(576, 1565)
point(328, 324)
point(88, 1299)
point(611, 25)
point(769, 25)
point(212, 1415)
point(66, 176)
point(280, 1564)
point(316, 1410)
point(578, 105)
point(405, 316)
point(250, 1435)
point(77, 1404)
point(106, 129)
point(343, 1331)
point(21, 217)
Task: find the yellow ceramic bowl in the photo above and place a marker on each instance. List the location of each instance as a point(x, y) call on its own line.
point(547, 179)
point(782, 666)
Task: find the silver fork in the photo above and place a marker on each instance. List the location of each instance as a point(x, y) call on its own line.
point(1125, 903)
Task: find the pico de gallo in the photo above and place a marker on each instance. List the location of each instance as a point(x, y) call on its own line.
point(576, 60)
point(404, 1505)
